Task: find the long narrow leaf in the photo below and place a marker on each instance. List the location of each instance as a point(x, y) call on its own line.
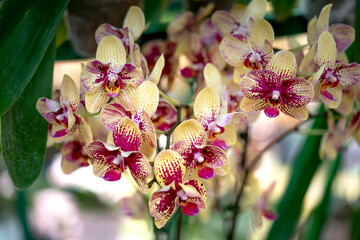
point(316, 221)
point(27, 28)
point(23, 129)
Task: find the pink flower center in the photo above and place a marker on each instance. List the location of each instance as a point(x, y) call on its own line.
point(329, 79)
point(253, 60)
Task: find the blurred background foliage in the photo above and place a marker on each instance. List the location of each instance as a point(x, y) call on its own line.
point(57, 206)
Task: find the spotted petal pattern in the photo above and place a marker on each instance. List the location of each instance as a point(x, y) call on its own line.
point(140, 170)
point(206, 105)
point(127, 135)
point(169, 167)
point(162, 205)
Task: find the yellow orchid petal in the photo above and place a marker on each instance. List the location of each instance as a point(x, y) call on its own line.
point(323, 21)
point(284, 64)
point(308, 59)
point(228, 136)
point(336, 92)
point(206, 105)
point(157, 70)
point(239, 72)
point(300, 113)
point(190, 132)
point(111, 50)
point(69, 92)
point(169, 167)
point(135, 21)
point(85, 131)
point(256, 9)
point(127, 98)
point(95, 101)
point(326, 52)
point(312, 33)
point(222, 171)
point(250, 105)
point(213, 77)
point(262, 31)
point(147, 98)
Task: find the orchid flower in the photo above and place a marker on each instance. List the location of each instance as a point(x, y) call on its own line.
point(249, 53)
point(109, 75)
point(144, 100)
point(169, 168)
point(73, 156)
point(110, 161)
point(133, 26)
point(242, 22)
point(220, 128)
point(277, 89)
point(261, 208)
point(63, 121)
point(165, 116)
point(199, 56)
point(332, 77)
point(188, 140)
point(334, 138)
point(343, 35)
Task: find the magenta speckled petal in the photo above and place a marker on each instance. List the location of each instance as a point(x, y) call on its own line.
point(127, 135)
point(296, 92)
point(100, 151)
point(349, 74)
point(162, 205)
point(131, 75)
point(111, 114)
point(147, 129)
point(169, 167)
point(259, 84)
point(140, 170)
point(93, 75)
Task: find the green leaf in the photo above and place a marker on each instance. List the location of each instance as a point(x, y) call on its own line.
point(357, 31)
point(315, 222)
point(23, 129)
point(304, 169)
point(283, 9)
point(27, 28)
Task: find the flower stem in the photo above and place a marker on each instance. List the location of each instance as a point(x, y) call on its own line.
point(239, 193)
point(90, 114)
point(171, 100)
point(299, 48)
point(179, 224)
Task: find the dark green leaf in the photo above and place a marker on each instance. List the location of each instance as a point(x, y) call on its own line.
point(27, 28)
point(23, 129)
point(357, 31)
point(283, 9)
point(304, 169)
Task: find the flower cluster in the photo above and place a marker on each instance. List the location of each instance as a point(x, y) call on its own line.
point(234, 72)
